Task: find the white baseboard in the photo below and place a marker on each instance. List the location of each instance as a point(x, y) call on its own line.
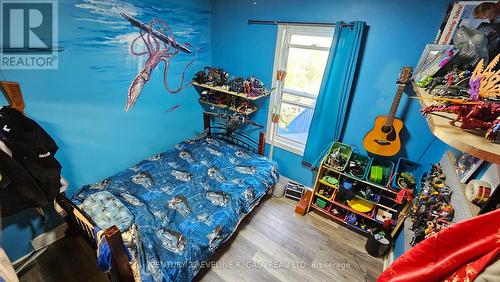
point(47, 238)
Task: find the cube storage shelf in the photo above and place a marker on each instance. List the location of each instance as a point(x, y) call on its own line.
point(340, 210)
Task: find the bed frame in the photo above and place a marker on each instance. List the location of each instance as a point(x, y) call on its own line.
point(79, 223)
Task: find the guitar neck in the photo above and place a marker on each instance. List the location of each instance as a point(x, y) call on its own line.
point(394, 106)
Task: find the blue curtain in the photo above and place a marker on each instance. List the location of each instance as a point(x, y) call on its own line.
point(333, 98)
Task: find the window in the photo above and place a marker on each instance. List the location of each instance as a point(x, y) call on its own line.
point(301, 51)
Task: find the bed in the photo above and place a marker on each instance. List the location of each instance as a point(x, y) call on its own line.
point(173, 210)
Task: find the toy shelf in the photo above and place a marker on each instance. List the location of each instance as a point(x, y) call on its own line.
point(357, 196)
point(468, 141)
point(398, 210)
point(222, 106)
point(327, 212)
point(360, 180)
point(370, 217)
point(322, 197)
point(220, 89)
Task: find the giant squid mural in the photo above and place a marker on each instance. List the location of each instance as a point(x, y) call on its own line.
point(160, 46)
point(149, 35)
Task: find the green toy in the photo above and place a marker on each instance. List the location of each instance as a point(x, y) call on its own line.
point(424, 82)
point(376, 174)
point(406, 180)
point(331, 180)
point(321, 203)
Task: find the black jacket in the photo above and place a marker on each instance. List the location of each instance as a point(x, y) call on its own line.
point(33, 173)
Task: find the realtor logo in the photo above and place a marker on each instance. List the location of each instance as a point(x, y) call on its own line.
point(28, 34)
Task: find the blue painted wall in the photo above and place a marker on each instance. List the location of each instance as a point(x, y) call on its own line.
point(81, 104)
point(397, 34)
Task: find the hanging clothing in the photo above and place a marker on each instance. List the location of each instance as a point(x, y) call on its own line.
point(19, 190)
point(331, 106)
point(33, 170)
point(458, 253)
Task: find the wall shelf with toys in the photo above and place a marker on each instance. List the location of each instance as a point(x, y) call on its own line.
point(350, 193)
point(247, 111)
point(464, 209)
point(224, 90)
point(472, 142)
point(236, 95)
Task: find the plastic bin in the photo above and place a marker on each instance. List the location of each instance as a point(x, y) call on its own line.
point(358, 222)
point(321, 203)
point(326, 192)
point(365, 163)
point(381, 167)
point(378, 244)
point(345, 152)
point(416, 169)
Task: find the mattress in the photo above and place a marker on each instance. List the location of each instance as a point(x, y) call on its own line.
point(176, 208)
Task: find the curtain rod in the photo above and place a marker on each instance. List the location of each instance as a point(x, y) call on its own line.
point(293, 23)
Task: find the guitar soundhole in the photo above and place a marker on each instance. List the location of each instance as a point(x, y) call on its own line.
point(386, 129)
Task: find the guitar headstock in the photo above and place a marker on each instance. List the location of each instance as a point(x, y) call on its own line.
point(404, 75)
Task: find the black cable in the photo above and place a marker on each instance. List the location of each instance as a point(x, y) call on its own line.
point(361, 253)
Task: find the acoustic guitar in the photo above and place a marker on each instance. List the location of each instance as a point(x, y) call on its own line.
point(383, 139)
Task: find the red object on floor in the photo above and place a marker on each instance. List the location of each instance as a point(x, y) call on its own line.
point(460, 251)
point(301, 207)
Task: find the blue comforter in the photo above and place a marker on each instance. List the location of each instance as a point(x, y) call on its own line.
point(180, 205)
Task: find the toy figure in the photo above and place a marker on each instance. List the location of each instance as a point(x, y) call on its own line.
point(424, 82)
point(451, 77)
point(489, 78)
point(487, 10)
point(406, 180)
point(430, 228)
point(435, 82)
point(431, 210)
point(356, 168)
point(336, 159)
point(479, 115)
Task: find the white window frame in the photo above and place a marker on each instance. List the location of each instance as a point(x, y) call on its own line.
point(280, 60)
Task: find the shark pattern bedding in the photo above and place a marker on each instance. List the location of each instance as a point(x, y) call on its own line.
point(181, 204)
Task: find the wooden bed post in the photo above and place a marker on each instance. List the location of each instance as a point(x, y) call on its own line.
point(13, 94)
point(118, 254)
point(206, 123)
point(262, 143)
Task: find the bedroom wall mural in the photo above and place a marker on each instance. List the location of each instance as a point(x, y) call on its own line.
point(156, 41)
point(81, 104)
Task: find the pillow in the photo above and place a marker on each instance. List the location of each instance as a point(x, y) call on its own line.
point(107, 210)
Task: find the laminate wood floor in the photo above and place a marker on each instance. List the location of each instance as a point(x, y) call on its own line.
point(271, 244)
